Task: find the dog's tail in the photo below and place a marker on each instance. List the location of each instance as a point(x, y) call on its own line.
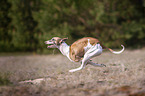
point(116, 52)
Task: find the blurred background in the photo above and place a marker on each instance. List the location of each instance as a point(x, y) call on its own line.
point(26, 24)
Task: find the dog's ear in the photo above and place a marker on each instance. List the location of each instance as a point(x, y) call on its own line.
point(63, 40)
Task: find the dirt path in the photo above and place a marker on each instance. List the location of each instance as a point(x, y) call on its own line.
point(48, 75)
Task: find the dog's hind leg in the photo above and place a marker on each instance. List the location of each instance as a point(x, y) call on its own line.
point(92, 52)
point(84, 62)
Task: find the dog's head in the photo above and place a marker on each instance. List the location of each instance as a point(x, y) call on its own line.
point(55, 41)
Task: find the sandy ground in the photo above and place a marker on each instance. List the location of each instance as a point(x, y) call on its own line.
point(47, 75)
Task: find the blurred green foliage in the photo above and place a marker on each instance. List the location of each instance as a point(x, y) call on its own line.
point(26, 24)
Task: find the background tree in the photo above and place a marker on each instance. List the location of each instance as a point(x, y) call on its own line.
point(26, 24)
point(5, 27)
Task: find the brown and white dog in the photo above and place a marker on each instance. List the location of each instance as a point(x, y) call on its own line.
point(80, 51)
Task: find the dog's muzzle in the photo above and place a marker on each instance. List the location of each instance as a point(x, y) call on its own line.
point(48, 42)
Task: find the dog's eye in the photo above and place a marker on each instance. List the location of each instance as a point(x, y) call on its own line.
point(53, 39)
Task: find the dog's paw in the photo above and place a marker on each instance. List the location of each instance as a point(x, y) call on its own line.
point(103, 65)
point(72, 70)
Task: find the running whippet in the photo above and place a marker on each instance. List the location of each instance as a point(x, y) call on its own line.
point(80, 51)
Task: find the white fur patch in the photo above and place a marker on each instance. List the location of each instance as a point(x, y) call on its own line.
point(88, 46)
point(65, 49)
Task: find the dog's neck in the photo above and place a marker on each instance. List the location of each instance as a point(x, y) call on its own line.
point(64, 48)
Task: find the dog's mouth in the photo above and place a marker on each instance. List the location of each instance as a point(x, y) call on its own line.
point(51, 44)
